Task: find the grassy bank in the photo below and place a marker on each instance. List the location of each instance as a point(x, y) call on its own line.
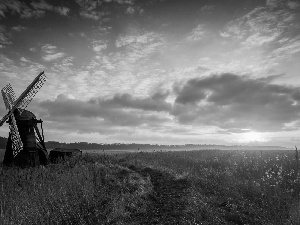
point(197, 187)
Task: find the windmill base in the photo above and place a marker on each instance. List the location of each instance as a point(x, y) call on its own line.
point(28, 157)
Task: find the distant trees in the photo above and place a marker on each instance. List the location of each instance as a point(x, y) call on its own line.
point(117, 146)
point(143, 147)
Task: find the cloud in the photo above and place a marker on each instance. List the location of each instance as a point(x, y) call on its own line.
point(258, 39)
point(3, 36)
point(263, 25)
point(23, 59)
point(2, 10)
point(18, 28)
point(282, 3)
point(63, 65)
point(293, 4)
point(64, 11)
point(134, 9)
point(119, 111)
point(225, 102)
point(230, 101)
point(17, 7)
point(233, 103)
point(130, 10)
point(136, 50)
point(6, 5)
point(33, 49)
point(50, 53)
point(89, 4)
point(99, 45)
point(34, 9)
point(94, 15)
point(274, 3)
point(49, 49)
point(18, 72)
point(197, 34)
point(140, 45)
point(29, 13)
point(154, 103)
point(122, 2)
point(144, 38)
point(118, 70)
point(6, 64)
point(125, 1)
point(289, 47)
point(91, 9)
point(207, 8)
point(266, 38)
point(224, 34)
point(42, 5)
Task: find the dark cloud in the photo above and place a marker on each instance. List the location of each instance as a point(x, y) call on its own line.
point(236, 104)
point(29, 9)
point(229, 89)
point(98, 9)
point(19, 7)
point(230, 101)
point(154, 103)
point(83, 125)
point(160, 95)
point(121, 110)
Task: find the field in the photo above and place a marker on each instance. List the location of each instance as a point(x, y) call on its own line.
point(186, 187)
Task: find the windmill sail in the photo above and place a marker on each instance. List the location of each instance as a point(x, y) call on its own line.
point(26, 97)
point(17, 144)
point(31, 91)
point(8, 95)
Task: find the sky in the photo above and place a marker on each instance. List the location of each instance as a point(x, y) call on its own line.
point(157, 71)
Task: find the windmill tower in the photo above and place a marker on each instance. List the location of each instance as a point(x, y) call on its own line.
point(25, 145)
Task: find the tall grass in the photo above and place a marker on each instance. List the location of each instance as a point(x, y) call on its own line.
point(265, 185)
point(192, 187)
point(89, 190)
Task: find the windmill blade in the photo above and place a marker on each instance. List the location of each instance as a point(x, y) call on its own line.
point(26, 97)
point(30, 92)
point(9, 96)
point(5, 118)
point(17, 144)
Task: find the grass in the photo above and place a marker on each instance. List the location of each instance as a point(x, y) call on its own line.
point(192, 187)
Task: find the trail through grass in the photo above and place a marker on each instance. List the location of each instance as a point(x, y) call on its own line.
point(168, 199)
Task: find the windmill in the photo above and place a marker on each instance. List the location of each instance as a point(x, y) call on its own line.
point(25, 145)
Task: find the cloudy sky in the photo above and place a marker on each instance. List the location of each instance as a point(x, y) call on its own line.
point(157, 71)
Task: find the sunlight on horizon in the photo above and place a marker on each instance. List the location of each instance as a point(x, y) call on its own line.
point(253, 136)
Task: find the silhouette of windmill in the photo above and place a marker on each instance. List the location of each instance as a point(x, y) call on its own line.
point(22, 148)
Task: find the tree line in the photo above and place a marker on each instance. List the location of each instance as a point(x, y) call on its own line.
point(143, 147)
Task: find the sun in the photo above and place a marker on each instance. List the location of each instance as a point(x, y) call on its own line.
point(252, 136)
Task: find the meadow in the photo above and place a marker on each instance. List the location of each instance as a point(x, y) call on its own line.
point(179, 187)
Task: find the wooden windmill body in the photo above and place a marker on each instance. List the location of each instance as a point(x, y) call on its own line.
point(25, 145)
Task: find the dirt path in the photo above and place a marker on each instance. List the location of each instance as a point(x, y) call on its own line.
point(168, 200)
